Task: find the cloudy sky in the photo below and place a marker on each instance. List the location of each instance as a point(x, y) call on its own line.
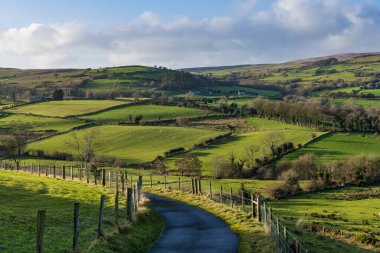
point(182, 33)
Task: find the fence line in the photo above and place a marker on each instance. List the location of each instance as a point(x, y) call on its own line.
point(253, 204)
point(70, 173)
point(130, 185)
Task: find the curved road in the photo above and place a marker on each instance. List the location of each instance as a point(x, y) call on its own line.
point(190, 229)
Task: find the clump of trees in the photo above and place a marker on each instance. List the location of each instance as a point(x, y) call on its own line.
point(189, 165)
point(58, 94)
point(359, 170)
point(318, 113)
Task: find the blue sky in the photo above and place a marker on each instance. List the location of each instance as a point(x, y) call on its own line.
point(18, 13)
point(182, 33)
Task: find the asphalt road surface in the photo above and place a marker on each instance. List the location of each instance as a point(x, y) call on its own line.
point(190, 229)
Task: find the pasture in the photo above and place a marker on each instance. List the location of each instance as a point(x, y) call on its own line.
point(239, 144)
point(133, 144)
point(23, 195)
point(18, 123)
point(66, 107)
point(362, 102)
point(340, 146)
point(349, 210)
point(149, 113)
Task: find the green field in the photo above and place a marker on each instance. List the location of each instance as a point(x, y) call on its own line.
point(375, 92)
point(23, 195)
point(66, 107)
point(134, 144)
point(362, 102)
point(335, 210)
point(37, 124)
point(239, 143)
point(236, 89)
point(340, 146)
point(149, 113)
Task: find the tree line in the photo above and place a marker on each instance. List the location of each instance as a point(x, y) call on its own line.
point(319, 113)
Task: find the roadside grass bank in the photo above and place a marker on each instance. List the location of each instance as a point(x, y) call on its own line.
point(137, 237)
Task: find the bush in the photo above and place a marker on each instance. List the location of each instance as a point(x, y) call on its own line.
point(279, 191)
point(314, 185)
point(368, 239)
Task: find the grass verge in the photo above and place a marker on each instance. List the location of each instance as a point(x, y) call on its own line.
point(137, 237)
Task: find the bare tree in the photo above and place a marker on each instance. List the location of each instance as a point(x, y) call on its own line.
point(160, 166)
point(13, 146)
point(189, 164)
point(84, 146)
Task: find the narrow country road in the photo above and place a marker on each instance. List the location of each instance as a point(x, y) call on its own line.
point(190, 229)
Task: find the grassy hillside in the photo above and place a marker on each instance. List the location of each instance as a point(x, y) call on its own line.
point(358, 68)
point(348, 210)
point(340, 146)
point(66, 107)
point(134, 144)
point(23, 195)
point(239, 143)
point(37, 124)
point(362, 102)
point(149, 113)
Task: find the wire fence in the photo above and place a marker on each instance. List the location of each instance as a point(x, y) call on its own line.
point(51, 220)
point(130, 185)
point(251, 203)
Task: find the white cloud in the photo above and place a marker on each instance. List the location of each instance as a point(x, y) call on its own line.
point(288, 29)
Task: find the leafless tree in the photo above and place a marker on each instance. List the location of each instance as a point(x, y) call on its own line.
point(13, 146)
point(84, 146)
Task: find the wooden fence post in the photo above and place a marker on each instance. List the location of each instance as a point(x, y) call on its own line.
point(41, 216)
point(140, 182)
point(258, 204)
point(117, 180)
point(129, 204)
point(76, 227)
point(71, 173)
point(192, 186)
point(196, 186)
point(117, 209)
point(122, 182)
point(46, 171)
point(63, 172)
point(32, 169)
point(134, 198)
point(221, 193)
point(210, 190)
point(286, 239)
point(109, 178)
point(100, 224)
point(200, 186)
point(252, 207)
point(165, 181)
point(151, 182)
point(242, 200)
point(39, 169)
point(179, 183)
point(231, 204)
point(54, 172)
point(103, 177)
point(278, 231)
point(17, 165)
